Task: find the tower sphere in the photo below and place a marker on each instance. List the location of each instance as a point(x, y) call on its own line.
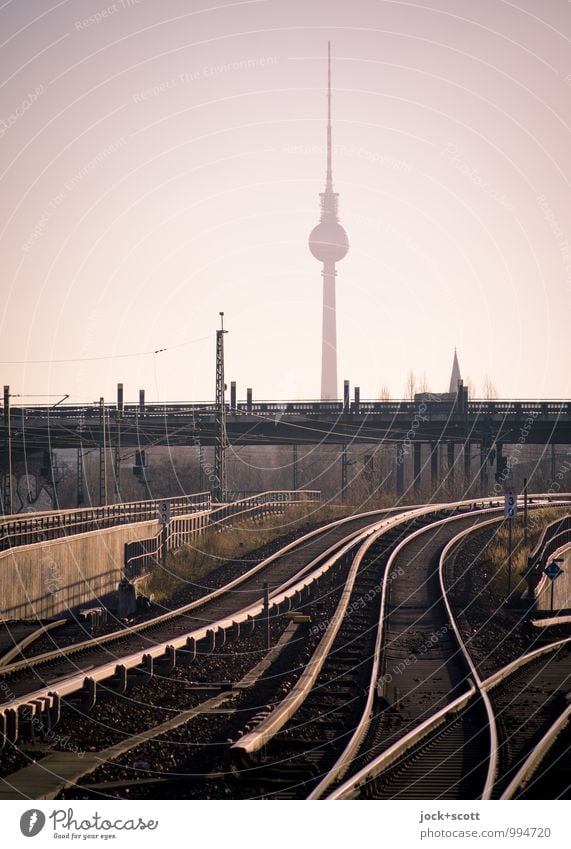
point(328, 242)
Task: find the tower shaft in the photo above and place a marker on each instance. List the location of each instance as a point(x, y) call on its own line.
point(329, 335)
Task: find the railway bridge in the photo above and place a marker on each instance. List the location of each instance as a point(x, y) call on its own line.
point(473, 435)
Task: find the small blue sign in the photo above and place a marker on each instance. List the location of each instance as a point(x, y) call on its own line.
point(553, 571)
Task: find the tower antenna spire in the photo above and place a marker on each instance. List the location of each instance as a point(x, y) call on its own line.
point(329, 179)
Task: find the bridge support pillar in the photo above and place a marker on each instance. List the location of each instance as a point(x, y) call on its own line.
point(400, 469)
point(344, 470)
point(80, 478)
point(467, 463)
point(450, 464)
point(295, 478)
point(417, 459)
point(483, 469)
point(434, 448)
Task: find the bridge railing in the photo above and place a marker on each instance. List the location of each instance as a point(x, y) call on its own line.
point(141, 556)
point(132, 413)
point(25, 529)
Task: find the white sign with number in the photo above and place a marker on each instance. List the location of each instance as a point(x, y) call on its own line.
point(510, 506)
point(164, 512)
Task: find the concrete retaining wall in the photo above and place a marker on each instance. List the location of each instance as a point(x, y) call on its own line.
point(48, 578)
point(561, 586)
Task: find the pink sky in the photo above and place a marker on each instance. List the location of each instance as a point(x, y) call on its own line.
point(162, 162)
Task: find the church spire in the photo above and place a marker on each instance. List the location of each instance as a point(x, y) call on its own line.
point(455, 376)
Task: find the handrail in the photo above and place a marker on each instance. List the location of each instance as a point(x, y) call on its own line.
point(25, 529)
point(550, 539)
point(92, 411)
point(271, 501)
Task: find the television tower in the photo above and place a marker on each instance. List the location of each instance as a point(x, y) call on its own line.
point(328, 243)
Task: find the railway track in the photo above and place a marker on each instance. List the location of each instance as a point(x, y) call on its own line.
point(280, 570)
point(178, 636)
point(333, 682)
point(342, 712)
point(527, 703)
point(488, 742)
point(331, 544)
point(390, 696)
point(292, 741)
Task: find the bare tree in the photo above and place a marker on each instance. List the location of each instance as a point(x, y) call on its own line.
point(410, 387)
point(384, 394)
point(471, 387)
point(490, 391)
point(424, 385)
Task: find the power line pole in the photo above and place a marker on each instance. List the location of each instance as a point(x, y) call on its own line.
point(102, 455)
point(119, 416)
point(219, 490)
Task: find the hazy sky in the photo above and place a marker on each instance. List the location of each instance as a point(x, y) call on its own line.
point(161, 161)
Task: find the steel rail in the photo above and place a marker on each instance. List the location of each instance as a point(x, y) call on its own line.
point(478, 687)
point(73, 683)
point(39, 632)
point(285, 592)
point(381, 763)
point(190, 606)
point(270, 726)
point(485, 685)
point(344, 761)
point(281, 714)
point(533, 761)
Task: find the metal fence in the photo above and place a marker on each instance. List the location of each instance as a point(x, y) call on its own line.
point(133, 413)
point(38, 527)
point(141, 556)
point(555, 535)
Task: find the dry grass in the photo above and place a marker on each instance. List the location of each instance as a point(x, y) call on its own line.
point(373, 501)
point(496, 552)
point(193, 563)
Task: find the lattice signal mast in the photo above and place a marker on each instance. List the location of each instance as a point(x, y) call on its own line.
point(328, 242)
point(219, 488)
